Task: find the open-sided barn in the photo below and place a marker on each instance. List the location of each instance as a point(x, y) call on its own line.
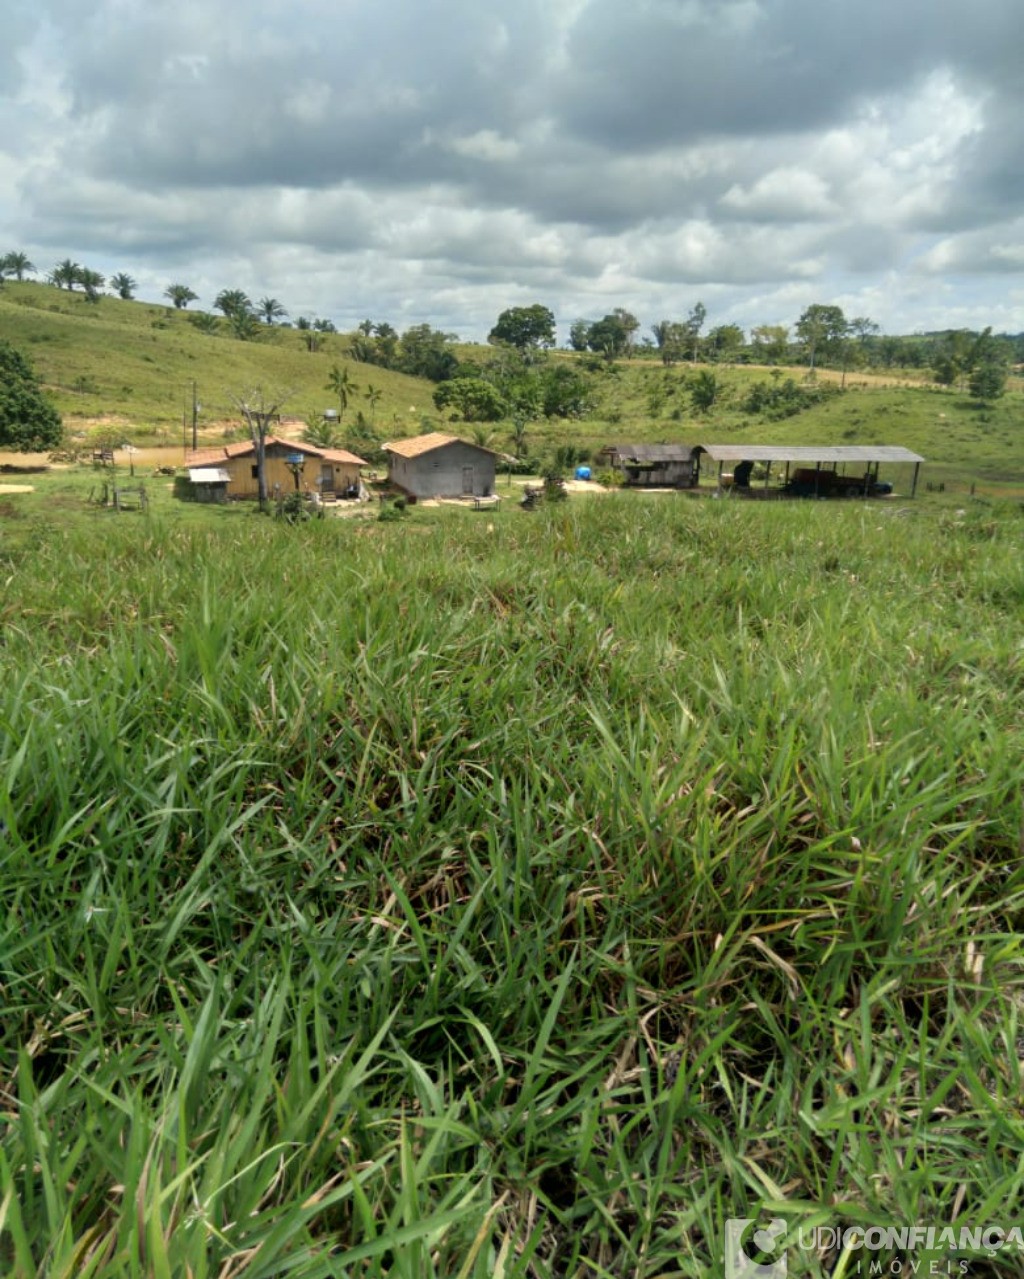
point(817, 472)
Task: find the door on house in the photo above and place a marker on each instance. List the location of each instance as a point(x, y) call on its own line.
point(326, 477)
point(467, 479)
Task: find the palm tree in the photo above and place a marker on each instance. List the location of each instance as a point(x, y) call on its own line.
point(92, 282)
point(181, 295)
point(322, 432)
point(233, 302)
point(519, 435)
point(310, 336)
point(373, 395)
point(204, 322)
point(66, 274)
point(339, 381)
point(270, 309)
point(123, 285)
point(243, 325)
point(16, 264)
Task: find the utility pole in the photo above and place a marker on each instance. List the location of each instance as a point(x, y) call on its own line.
point(195, 417)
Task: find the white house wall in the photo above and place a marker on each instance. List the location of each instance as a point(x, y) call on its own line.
point(439, 472)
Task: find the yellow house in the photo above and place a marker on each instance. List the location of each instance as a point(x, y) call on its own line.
point(289, 465)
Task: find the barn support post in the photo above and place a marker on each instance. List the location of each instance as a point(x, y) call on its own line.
point(913, 485)
point(720, 465)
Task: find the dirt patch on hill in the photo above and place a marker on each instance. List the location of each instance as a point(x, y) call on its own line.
point(17, 488)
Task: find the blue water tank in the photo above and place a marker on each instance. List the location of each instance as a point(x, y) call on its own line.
point(583, 472)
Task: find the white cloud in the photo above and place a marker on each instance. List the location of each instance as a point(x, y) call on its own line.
point(786, 194)
point(444, 161)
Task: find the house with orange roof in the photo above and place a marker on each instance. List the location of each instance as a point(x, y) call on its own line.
point(290, 465)
point(440, 465)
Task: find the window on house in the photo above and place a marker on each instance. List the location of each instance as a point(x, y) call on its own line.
point(255, 472)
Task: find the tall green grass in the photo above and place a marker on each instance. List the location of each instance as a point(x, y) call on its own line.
point(511, 898)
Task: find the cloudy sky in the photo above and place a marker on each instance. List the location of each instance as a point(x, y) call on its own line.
point(440, 160)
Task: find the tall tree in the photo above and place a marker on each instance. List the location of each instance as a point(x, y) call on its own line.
point(91, 281)
point(123, 285)
point(953, 358)
point(16, 264)
point(989, 363)
point(630, 325)
point(609, 336)
point(427, 352)
point(694, 324)
point(373, 395)
point(821, 329)
point(28, 421)
point(339, 381)
point(270, 310)
point(724, 341)
point(259, 410)
point(66, 274)
point(233, 302)
point(988, 380)
point(474, 398)
point(525, 327)
point(770, 342)
point(579, 335)
point(670, 338)
point(180, 295)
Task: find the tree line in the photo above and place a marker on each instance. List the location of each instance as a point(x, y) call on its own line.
point(822, 336)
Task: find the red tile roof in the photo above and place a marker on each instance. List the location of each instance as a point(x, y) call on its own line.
point(420, 444)
point(246, 447)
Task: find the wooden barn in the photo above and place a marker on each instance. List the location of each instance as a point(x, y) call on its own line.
point(663, 466)
point(316, 470)
point(439, 465)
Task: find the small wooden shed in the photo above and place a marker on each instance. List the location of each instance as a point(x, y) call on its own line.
point(209, 483)
point(654, 465)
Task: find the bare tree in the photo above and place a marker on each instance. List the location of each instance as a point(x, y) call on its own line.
point(259, 408)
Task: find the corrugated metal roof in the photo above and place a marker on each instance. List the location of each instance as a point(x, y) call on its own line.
point(420, 444)
point(651, 452)
point(809, 453)
point(208, 475)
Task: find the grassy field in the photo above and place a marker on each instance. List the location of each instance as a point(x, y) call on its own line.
point(503, 894)
point(127, 368)
point(135, 362)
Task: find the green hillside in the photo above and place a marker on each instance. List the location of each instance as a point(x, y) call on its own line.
point(136, 362)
